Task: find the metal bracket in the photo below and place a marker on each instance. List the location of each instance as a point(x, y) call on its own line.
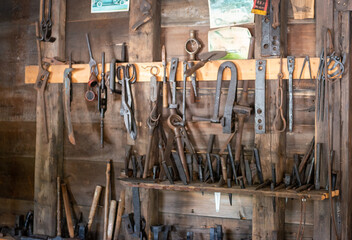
point(270, 36)
point(260, 66)
point(291, 67)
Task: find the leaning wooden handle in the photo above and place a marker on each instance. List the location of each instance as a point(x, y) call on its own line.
point(67, 210)
point(106, 204)
point(165, 100)
point(120, 210)
point(93, 208)
point(112, 215)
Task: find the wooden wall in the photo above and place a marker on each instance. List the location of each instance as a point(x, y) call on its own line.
point(84, 164)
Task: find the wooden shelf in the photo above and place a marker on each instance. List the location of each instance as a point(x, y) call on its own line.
point(245, 71)
point(316, 195)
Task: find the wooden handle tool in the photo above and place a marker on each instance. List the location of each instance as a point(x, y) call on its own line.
point(58, 208)
point(67, 210)
point(93, 208)
point(106, 205)
point(112, 215)
point(120, 210)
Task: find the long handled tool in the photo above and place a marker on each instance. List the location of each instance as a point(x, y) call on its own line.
point(120, 210)
point(111, 223)
point(67, 210)
point(106, 205)
point(58, 212)
point(93, 208)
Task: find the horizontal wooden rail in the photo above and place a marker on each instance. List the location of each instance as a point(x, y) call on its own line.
point(245, 71)
point(317, 195)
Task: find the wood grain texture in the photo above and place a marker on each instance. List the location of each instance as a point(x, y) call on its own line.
point(245, 71)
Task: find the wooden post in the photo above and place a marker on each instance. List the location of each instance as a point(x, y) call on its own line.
point(144, 45)
point(268, 220)
point(49, 156)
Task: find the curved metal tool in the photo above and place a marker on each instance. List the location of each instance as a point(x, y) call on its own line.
point(204, 58)
point(92, 63)
point(67, 101)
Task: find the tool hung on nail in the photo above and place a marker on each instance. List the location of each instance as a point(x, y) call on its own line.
point(291, 67)
point(125, 78)
point(102, 100)
point(204, 58)
point(46, 24)
point(112, 73)
point(93, 78)
point(145, 9)
point(153, 118)
point(227, 119)
point(40, 85)
point(67, 92)
point(165, 86)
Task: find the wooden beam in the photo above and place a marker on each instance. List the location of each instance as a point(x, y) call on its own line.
point(49, 156)
point(245, 71)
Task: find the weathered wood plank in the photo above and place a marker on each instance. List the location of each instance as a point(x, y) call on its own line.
point(10, 208)
point(245, 71)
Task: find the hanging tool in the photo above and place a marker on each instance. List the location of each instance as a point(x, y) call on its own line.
point(46, 24)
point(153, 119)
point(185, 64)
point(260, 96)
point(229, 178)
point(165, 88)
point(111, 223)
point(102, 100)
point(106, 199)
point(120, 209)
point(291, 67)
point(192, 45)
point(93, 78)
point(67, 90)
point(258, 165)
point(163, 229)
point(145, 9)
point(93, 208)
point(40, 85)
point(193, 92)
point(275, 7)
point(242, 110)
point(227, 119)
point(67, 210)
point(204, 58)
point(112, 72)
point(172, 81)
point(208, 156)
point(232, 162)
point(127, 105)
point(306, 60)
point(175, 123)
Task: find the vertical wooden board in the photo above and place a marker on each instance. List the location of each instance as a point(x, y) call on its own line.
point(301, 40)
point(322, 220)
point(10, 208)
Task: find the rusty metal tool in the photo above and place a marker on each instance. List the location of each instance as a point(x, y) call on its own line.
point(106, 199)
point(306, 60)
point(111, 223)
point(165, 88)
point(92, 63)
point(172, 81)
point(229, 178)
point(185, 65)
point(232, 162)
point(208, 156)
point(175, 123)
point(271, 34)
point(93, 208)
point(242, 110)
point(46, 24)
point(41, 83)
point(204, 58)
point(295, 169)
point(145, 8)
point(179, 167)
point(307, 155)
point(102, 100)
point(258, 165)
point(192, 45)
point(291, 67)
point(120, 209)
point(193, 92)
point(67, 90)
point(275, 6)
point(67, 210)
